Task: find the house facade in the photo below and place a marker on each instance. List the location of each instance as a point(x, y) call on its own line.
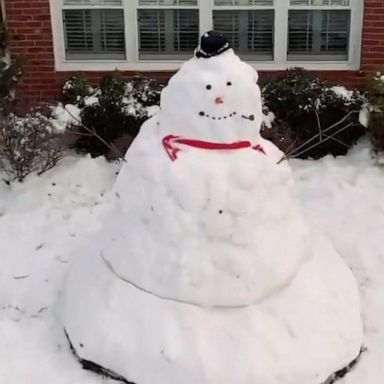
point(340, 40)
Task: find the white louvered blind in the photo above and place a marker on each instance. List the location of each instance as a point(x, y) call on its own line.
point(167, 33)
point(250, 32)
point(318, 34)
point(94, 34)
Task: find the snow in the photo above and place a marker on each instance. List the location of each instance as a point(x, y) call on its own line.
point(364, 116)
point(91, 100)
point(194, 272)
point(192, 267)
point(191, 207)
point(268, 119)
point(342, 197)
point(188, 344)
point(63, 116)
point(240, 98)
point(342, 91)
point(194, 226)
point(152, 110)
point(42, 222)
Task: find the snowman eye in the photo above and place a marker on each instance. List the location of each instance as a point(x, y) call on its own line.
point(209, 87)
point(229, 83)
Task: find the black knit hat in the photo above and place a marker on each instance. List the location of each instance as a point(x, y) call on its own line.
point(211, 44)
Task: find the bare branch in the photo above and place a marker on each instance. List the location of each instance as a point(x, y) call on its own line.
point(318, 125)
point(295, 151)
point(92, 132)
point(323, 140)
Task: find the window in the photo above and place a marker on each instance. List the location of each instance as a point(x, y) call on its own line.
point(250, 31)
point(319, 34)
point(167, 29)
point(93, 33)
point(161, 34)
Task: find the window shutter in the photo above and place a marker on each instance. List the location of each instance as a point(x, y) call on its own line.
point(94, 33)
point(250, 32)
point(167, 33)
point(318, 34)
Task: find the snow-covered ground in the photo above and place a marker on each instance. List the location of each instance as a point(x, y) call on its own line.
point(45, 219)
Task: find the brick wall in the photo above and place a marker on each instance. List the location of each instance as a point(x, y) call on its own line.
point(373, 35)
point(29, 29)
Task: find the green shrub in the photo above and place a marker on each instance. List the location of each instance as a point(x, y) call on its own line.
point(306, 108)
point(375, 94)
point(75, 89)
point(113, 114)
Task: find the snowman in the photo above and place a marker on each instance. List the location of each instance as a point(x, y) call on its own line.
point(206, 271)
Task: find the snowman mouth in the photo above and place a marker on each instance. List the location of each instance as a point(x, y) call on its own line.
point(225, 117)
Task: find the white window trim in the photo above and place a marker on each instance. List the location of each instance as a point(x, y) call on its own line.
point(132, 63)
point(2, 6)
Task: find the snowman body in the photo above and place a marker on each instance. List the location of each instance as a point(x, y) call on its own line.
point(216, 219)
point(206, 270)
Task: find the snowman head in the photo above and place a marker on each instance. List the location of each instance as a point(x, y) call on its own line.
point(214, 96)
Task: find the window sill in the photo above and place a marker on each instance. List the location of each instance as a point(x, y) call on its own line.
point(146, 66)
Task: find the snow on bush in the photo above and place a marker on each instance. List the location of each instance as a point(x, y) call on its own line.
point(75, 89)
point(27, 144)
point(311, 115)
point(104, 120)
point(65, 115)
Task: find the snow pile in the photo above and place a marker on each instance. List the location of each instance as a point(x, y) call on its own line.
point(63, 208)
point(202, 208)
point(343, 198)
point(42, 221)
point(205, 260)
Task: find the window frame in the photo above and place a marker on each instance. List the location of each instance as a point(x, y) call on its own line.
point(206, 7)
point(162, 57)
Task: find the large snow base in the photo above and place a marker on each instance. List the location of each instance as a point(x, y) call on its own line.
point(107, 373)
point(301, 335)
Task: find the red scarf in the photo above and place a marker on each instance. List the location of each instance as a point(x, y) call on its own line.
point(170, 145)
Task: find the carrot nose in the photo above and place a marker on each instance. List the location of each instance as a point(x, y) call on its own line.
point(219, 100)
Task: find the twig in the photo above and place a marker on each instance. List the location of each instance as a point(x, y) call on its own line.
point(292, 145)
point(94, 133)
point(320, 132)
point(21, 277)
point(338, 141)
point(293, 152)
point(318, 124)
point(322, 141)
